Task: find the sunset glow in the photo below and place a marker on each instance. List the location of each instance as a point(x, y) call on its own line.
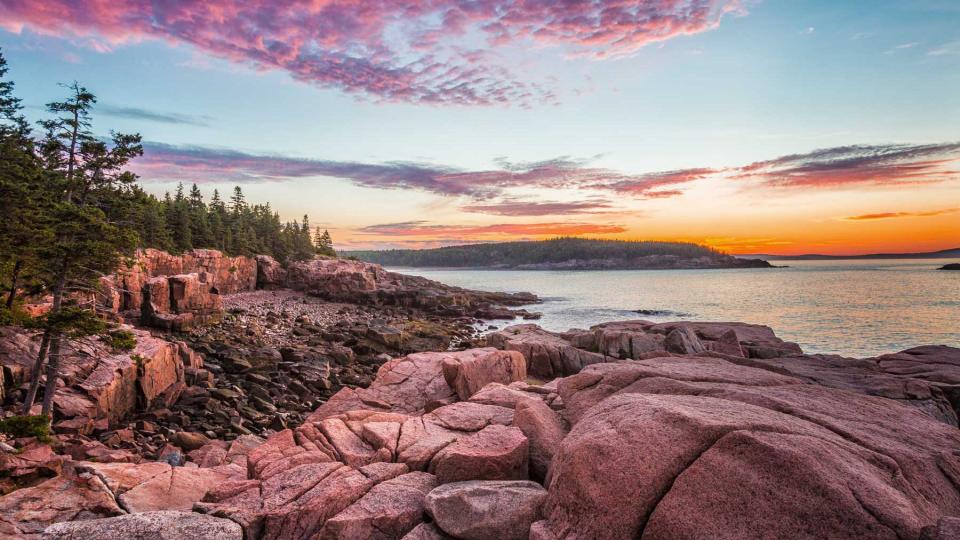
point(424, 123)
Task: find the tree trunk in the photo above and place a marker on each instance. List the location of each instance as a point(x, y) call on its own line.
point(35, 374)
point(53, 374)
point(53, 338)
point(13, 283)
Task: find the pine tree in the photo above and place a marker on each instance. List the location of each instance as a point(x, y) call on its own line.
point(88, 190)
point(179, 222)
point(324, 243)
point(22, 228)
point(237, 203)
point(199, 219)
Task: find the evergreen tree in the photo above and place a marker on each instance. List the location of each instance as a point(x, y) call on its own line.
point(324, 243)
point(88, 190)
point(23, 227)
point(199, 219)
point(178, 221)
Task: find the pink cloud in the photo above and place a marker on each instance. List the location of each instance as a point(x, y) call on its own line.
point(879, 165)
point(392, 50)
point(651, 185)
point(512, 207)
point(421, 228)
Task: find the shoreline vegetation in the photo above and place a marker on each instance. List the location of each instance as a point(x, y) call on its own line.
point(563, 254)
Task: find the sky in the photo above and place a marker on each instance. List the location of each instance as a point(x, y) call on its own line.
point(767, 126)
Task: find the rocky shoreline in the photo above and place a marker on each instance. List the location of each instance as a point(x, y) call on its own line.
point(343, 401)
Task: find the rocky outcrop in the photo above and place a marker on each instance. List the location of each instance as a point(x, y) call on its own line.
point(178, 303)
point(344, 280)
point(907, 378)
point(552, 354)
point(98, 382)
point(548, 355)
point(176, 292)
point(123, 290)
point(270, 273)
point(707, 447)
point(25, 513)
point(706, 443)
point(417, 383)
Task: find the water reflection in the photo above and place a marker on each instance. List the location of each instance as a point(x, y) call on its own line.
point(855, 308)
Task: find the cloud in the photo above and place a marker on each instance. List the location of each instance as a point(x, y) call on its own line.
point(489, 189)
point(949, 48)
point(422, 228)
point(513, 207)
point(393, 50)
point(895, 215)
point(204, 164)
point(137, 113)
point(651, 185)
point(844, 166)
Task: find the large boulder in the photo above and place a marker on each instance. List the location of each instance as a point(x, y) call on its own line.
point(544, 430)
point(659, 450)
point(480, 510)
point(26, 512)
point(939, 365)
point(467, 374)
point(270, 273)
point(388, 511)
point(494, 453)
point(548, 355)
point(165, 525)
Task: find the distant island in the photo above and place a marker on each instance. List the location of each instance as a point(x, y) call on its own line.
point(952, 266)
point(953, 253)
point(563, 254)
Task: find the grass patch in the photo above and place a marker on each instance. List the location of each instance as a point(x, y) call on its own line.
point(27, 426)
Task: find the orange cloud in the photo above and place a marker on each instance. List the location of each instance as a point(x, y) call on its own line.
point(893, 215)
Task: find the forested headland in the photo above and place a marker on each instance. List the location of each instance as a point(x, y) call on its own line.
point(563, 253)
point(71, 211)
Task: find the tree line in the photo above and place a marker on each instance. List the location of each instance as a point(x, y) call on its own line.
point(509, 254)
point(71, 212)
point(185, 221)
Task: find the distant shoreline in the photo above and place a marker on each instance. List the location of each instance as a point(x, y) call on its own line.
point(943, 254)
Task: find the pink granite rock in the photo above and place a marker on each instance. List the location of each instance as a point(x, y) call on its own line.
point(468, 373)
point(544, 429)
point(25, 513)
point(388, 511)
point(723, 456)
point(547, 355)
point(494, 453)
point(480, 510)
point(153, 525)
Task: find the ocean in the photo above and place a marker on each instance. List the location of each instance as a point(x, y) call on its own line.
point(855, 308)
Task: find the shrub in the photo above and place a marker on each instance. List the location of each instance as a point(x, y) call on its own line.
point(27, 426)
point(232, 269)
point(121, 340)
point(15, 316)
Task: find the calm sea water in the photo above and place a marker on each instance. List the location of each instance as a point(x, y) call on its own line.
point(853, 308)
